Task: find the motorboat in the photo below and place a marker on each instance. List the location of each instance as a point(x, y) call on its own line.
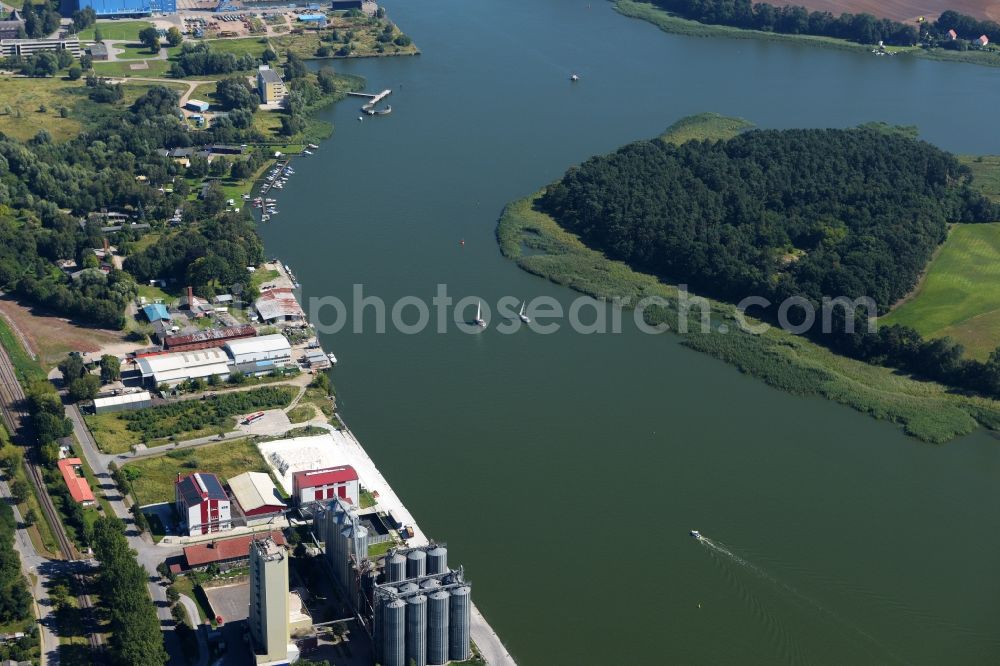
point(312, 146)
point(695, 534)
point(307, 152)
point(574, 77)
point(523, 316)
point(333, 359)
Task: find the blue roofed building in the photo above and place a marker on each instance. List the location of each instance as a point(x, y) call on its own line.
point(109, 8)
point(156, 312)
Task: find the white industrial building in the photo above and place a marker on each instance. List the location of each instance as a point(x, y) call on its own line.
point(172, 369)
point(120, 403)
point(254, 356)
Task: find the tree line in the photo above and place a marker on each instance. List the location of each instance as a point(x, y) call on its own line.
point(861, 28)
point(794, 20)
point(803, 213)
point(136, 638)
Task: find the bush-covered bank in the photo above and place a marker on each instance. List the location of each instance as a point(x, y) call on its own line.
point(926, 410)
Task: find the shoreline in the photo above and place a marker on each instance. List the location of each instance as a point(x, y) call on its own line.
point(925, 410)
point(677, 25)
point(486, 639)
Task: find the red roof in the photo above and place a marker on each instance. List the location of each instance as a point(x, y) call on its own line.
point(203, 554)
point(952, 34)
point(209, 336)
point(78, 486)
point(322, 477)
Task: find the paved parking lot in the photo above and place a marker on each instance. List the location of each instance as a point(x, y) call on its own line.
point(232, 602)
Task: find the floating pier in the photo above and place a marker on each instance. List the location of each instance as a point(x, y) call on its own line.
point(369, 106)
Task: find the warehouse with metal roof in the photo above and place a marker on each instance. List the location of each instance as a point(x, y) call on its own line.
point(172, 369)
point(259, 355)
point(156, 312)
point(120, 403)
point(257, 497)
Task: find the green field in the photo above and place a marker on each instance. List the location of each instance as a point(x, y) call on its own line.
point(153, 478)
point(254, 46)
point(985, 174)
point(960, 296)
point(115, 30)
point(705, 127)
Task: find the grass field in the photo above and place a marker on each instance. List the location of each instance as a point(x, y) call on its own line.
point(254, 46)
point(925, 410)
point(115, 30)
point(985, 174)
point(960, 296)
point(113, 436)
point(21, 100)
point(155, 476)
point(705, 127)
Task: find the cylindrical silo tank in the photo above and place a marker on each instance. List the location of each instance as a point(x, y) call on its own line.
point(395, 568)
point(437, 627)
point(393, 634)
point(406, 588)
point(353, 537)
point(416, 630)
point(437, 560)
point(319, 522)
point(459, 617)
point(430, 584)
point(416, 563)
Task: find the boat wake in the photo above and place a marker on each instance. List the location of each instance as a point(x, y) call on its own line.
point(726, 553)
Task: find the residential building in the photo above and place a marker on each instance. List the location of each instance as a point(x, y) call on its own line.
point(121, 403)
point(270, 632)
point(202, 504)
point(23, 47)
point(72, 473)
point(270, 87)
point(225, 553)
point(174, 368)
point(255, 356)
point(983, 40)
point(316, 485)
point(256, 497)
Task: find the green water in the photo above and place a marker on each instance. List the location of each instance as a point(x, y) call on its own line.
point(565, 470)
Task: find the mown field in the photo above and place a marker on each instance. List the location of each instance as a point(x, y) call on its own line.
point(960, 296)
point(115, 30)
point(926, 410)
point(153, 478)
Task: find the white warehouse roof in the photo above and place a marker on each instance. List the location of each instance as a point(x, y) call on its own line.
point(264, 347)
point(179, 366)
point(254, 491)
point(125, 399)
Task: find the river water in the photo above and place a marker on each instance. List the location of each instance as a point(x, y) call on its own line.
point(565, 470)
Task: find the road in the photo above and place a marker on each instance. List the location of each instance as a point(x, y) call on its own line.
point(147, 552)
point(36, 566)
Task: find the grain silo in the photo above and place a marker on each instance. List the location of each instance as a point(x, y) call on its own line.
point(394, 631)
point(437, 560)
point(437, 627)
point(395, 568)
point(459, 617)
point(416, 564)
point(416, 630)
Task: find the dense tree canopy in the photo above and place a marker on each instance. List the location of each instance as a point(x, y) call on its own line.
point(773, 213)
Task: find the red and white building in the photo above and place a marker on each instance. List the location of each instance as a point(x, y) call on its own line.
point(203, 504)
point(72, 473)
point(316, 485)
point(256, 498)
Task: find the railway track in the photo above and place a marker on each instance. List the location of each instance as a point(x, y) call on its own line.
point(12, 400)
